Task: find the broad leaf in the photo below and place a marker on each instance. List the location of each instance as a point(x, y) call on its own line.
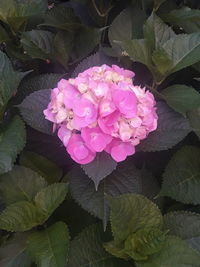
point(184, 224)
point(61, 17)
point(125, 179)
point(8, 87)
point(181, 98)
point(49, 198)
point(123, 26)
point(4, 37)
point(63, 45)
point(20, 184)
point(38, 43)
point(100, 167)
point(181, 180)
point(21, 216)
point(172, 128)
point(137, 50)
point(16, 12)
point(156, 32)
point(194, 119)
point(50, 247)
point(158, 3)
point(184, 17)
point(32, 109)
point(87, 250)
point(85, 41)
point(13, 253)
point(44, 167)
point(12, 141)
point(181, 55)
point(175, 253)
point(130, 213)
point(36, 83)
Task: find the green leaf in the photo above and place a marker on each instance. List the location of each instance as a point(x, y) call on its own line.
point(21, 216)
point(49, 198)
point(156, 32)
point(137, 50)
point(36, 83)
point(175, 253)
point(38, 43)
point(85, 41)
point(181, 98)
point(63, 45)
point(87, 250)
point(13, 253)
point(32, 109)
point(16, 12)
point(95, 171)
point(125, 179)
point(181, 55)
point(50, 247)
point(194, 119)
point(8, 87)
point(12, 141)
point(144, 242)
point(172, 128)
point(184, 17)
point(130, 213)
point(183, 224)
point(123, 26)
point(181, 180)
point(61, 17)
point(20, 184)
point(44, 167)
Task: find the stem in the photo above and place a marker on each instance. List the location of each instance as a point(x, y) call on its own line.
point(99, 12)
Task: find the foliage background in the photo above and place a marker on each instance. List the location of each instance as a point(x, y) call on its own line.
point(143, 212)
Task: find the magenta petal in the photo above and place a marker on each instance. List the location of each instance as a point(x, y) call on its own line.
point(95, 138)
point(78, 151)
point(64, 134)
point(126, 102)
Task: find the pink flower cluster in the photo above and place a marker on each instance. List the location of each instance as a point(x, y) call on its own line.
point(101, 110)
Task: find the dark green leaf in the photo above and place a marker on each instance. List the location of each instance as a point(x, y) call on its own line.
point(172, 128)
point(181, 98)
point(156, 32)
point(21, 216)
point(124, 26)
point(63, 45)
point(12, 141)
point(36, 83)
point(85, 41)
point(20, 184)
point(16, 13)
point(185, 17)
point(32, 109)
point(50, 247)
point(3, 35)
point(181, 180)
point(87, 250)
point(175, 253)
point(181, 55)
point(14, 254)
point(158, 3)
point(194, 119)
point(183, 224)
point(38, 43)
point(8, 87)
point(61, 17)
point(100, 167)
point(131, 212)
point(49, 198)
point(44, 167)
point(125, 179)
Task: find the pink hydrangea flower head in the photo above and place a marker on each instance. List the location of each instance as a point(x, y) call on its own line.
point(101, 110)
